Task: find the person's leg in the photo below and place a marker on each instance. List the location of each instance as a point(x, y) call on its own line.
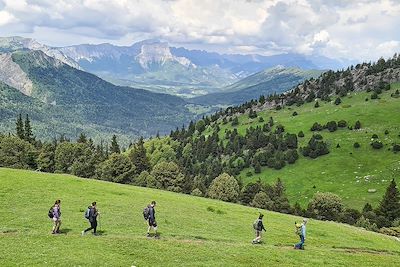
point(155, 231)
point(259, 236)
point(58, 226)
point(94, 226)
point(90, 228)
point(301, 242)
point(54, 225)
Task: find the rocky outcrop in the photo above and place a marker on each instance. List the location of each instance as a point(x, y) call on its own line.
point(12, 75)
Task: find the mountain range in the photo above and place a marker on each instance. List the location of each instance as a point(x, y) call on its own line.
point(64, 100)
point(159, 67)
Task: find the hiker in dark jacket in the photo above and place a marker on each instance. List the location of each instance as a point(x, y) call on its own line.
point(93, 213)
point(152, 219)
point(56, 212)
point(258, 227)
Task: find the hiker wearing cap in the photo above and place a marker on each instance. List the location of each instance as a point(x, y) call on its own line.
point(301, 231)
point(55, 215)
point(258, 227)
point(91, 214)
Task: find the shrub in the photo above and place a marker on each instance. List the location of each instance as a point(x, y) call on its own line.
point(366, 224)
point(326, 206)
point(197, 192)
point(261, 119)
point(331, 126)
point(396, 148)
point(357, 125)
point(316, 105)
point(261, 200)
point(386, 132)
point(374, 95)
point(295, 113)
point(342, 124)
point(356, 145)
point(300, 134)
point(338, 101)
point(377, 144)
point(317, 127)
point(374, 136)
point(224, 187)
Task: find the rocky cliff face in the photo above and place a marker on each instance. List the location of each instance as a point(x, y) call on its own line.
point(12, 75)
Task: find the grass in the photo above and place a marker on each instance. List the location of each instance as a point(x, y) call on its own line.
point(347, 171)
point(194, 231)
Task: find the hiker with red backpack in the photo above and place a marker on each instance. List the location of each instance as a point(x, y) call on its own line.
point(258, 227)
point(301, 232)
point(149, 214)
point(55, 215)
point(91, 214)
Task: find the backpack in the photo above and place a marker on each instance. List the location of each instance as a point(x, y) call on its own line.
point(87, 213)
point(298, 228)
point(255, 224)
point(50, 213)
point(146, 213)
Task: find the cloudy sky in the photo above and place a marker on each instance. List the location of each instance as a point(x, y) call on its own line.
point(359, 30)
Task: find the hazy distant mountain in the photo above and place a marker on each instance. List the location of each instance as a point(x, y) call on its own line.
point(63, 99)
point(156, 66)
point(273, 80)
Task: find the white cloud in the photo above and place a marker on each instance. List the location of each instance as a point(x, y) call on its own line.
point(361, 30)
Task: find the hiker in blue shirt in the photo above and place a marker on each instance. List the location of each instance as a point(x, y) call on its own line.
point(302, 233)
point(55, 215)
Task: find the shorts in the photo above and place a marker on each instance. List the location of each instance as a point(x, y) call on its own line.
point(258, 233)
point(152, 224)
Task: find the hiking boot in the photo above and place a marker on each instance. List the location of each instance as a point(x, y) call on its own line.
point(148, 235)
point(157, 236)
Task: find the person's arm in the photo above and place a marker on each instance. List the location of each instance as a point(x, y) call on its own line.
point(303, 231)
point(263, 227)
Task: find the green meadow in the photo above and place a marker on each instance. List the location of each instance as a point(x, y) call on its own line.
point(347, 171)
point(194, 231)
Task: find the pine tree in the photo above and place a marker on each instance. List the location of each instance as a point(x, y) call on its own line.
point(82, 138)
point(114, 148)
point(390, 204)
point(20, 127)
point(139, 158)
point(28, 130)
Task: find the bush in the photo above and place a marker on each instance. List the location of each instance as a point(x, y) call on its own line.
point(342, 124)
point(224, 187)
point(366, 224)
point(316, 105)
point(197, 192)
point(377, 144)
point(295, 113)
point(396, 148)
point(326, 206)
point(261, 119)
point(331, 126)
point(317, 127)
point(356, 145)
point(300, 134)
point(357, 125)
point(374, 136)
point(261, 200)
point(338, 101)
point(386, 132)
point(392, 231)
point(374, 95)
point(349, 216)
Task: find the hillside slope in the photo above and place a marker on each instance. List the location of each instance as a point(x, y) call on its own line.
point(347, 171)
point(95, 105)
point(194, 231)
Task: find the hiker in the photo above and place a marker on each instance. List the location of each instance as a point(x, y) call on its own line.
point(258, 227)
point(55, 215)
point(301, 231)
point(91, 214)
point(151, 218)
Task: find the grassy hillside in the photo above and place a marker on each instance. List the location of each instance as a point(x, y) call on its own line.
point(194, 231)
point(347, 171)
